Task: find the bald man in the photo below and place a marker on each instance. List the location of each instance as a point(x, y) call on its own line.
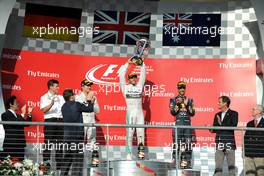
point(254, 143)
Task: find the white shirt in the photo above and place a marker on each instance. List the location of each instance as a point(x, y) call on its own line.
point(55, 110)
point(88, 117)
point(13, 112)
point(258, 119)
point(223, 115)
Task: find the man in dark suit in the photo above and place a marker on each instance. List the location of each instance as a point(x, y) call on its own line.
point(74, 135)
point(254, 144)
point(225, 139)
point(14, 142)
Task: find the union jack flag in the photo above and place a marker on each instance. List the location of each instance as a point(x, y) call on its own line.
point(121, 27)
point(174, 19)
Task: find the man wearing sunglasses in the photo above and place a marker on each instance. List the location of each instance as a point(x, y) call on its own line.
point(182, 109)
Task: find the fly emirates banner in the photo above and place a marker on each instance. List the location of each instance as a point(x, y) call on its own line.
point(25, 74)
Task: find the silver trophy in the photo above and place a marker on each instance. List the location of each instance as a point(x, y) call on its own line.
point(141, 46)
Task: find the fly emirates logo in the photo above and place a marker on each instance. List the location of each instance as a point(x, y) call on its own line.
point(107, 77)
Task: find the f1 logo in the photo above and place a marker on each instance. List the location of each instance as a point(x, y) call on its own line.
point(110, 69)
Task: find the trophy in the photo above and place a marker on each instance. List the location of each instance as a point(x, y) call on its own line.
point(141, 45)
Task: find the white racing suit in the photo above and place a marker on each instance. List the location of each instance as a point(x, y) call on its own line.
point(89, 132)
point(134, 112)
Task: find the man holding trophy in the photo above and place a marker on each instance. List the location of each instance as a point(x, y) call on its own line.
point(182, 108)
point(133, 94)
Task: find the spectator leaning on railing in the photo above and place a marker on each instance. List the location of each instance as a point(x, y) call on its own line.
point(225, 139)
point(254, 144)
point(14, 142)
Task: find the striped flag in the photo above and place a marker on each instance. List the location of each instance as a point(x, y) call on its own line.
point(51, 22)
point(121, 27)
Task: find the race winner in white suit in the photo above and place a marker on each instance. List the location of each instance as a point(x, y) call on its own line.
point(133, 96)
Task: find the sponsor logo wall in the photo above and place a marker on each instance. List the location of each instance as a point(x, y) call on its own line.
point(25, 74)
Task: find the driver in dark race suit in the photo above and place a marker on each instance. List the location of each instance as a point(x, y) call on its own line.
point(182, 109)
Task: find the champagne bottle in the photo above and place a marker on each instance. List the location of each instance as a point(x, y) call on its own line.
point(183, 162)
point(95, 158)
point(141, 149)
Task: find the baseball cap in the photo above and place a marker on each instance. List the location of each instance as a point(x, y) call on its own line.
point(86, 82)
point(181, 85)
point(132, 75)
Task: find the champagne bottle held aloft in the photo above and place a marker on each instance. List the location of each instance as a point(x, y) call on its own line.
point(141, 149)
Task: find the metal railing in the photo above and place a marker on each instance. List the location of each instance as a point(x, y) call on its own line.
point(239, 134)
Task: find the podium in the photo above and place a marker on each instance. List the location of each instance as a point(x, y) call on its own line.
point(140, 168)
point(184, 172)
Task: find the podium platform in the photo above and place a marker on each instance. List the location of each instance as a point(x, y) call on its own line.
point(140, 168)
point(184, 172)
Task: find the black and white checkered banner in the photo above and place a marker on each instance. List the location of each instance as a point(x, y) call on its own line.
point(258, 6)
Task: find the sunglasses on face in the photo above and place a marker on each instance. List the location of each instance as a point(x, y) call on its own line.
point(181, 87)
point(132, 77)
